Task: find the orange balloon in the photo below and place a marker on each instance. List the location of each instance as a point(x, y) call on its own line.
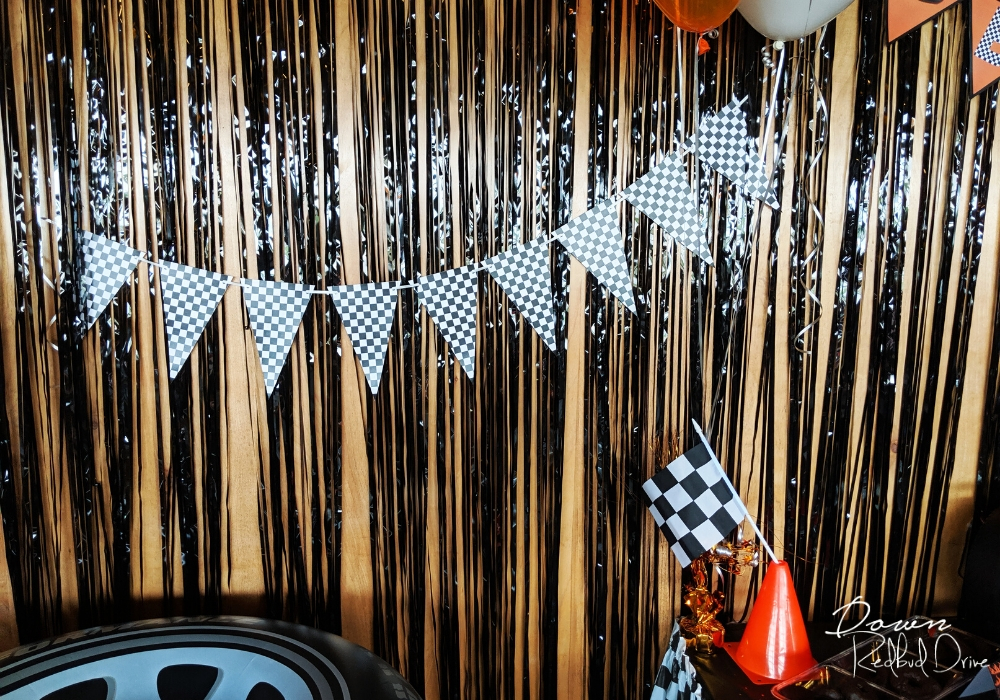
point(697, 16)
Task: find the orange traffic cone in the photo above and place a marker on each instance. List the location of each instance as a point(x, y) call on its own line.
point(774, 647)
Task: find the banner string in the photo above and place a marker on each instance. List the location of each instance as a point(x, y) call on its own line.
point(616, 198)
point(238, 282)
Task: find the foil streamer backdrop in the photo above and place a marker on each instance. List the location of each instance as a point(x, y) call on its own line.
point(488, 538)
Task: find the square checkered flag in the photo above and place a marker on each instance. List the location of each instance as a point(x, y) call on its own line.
point(106, 266)
point(524, 274)
point(726, 148)
point(190, 296)
point(367, 311)
point(275, 310)
point(451, 299)
point(663, 194)
point(693, 503)
point(595, 239)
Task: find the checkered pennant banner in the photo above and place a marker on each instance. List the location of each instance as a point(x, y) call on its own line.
point(726, 148)
point(190, 296)
point(524, 274)
point(984, 49)
point(275, 310)
point(367, 311)
point(106, 266)
point(693, 503)
point(595, 239)
point(451, 299)
point(722, 139)
point(664, 196)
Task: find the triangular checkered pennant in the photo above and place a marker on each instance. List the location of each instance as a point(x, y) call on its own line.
point(664, 196)
point(722, 139)
point(693, 503)
point(725, 147)
point(756, 183)
point(106, 266)
point(595, 239)
point(524, 274)
point(451, 299)
point(190, 296)
point(367, 311)
point(275, 310)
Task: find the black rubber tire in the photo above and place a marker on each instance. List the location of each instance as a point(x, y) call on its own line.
point(331, 668)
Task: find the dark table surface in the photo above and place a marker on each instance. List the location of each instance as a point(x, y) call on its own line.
point(724, 680)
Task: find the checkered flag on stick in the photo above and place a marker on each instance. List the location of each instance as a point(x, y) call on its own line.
point(663, 194)
point(524, 274)
point(275, 310)
point(190, 296)
point(451, 299)
point(693, 503)
point(367, 311)
point(106, 266)
point(595, 239)
point(725, 147)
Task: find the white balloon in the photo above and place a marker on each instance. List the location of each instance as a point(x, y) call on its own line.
point(785, 20)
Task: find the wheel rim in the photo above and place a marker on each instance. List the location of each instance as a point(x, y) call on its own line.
point(131, 662)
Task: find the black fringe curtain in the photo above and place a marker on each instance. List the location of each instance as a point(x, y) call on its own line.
point(488, 537)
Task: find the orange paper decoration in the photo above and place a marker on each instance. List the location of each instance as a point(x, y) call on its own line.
point(697, 16)
point(985, 49)
point(905, 15)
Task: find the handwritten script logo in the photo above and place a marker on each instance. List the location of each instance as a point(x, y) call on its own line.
point(885, 645)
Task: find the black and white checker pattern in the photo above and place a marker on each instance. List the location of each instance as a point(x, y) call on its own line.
point(524, 274)
point(722, 140)
point(595, 239)
point(451, 298)
point(663, 194)
point(984, 50)
point(367, 311)
point(676, 678)
point(275, 310)
point(693, 503)
point(725, 147)
point(190, 297)
point(756, 183)
point(106, 266)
